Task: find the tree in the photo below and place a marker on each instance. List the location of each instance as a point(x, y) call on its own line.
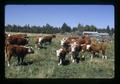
point(74, 29)
point(65, 28)
point(108, 29)
point(80, 27)
point(93, 28)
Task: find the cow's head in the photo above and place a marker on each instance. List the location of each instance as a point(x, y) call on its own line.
point(54, 36)
point(58, 52)
point(30, 50)
point(63, 41)
point(40, 39)
point(73, 46)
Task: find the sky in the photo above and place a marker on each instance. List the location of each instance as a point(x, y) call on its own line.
point(98, 15)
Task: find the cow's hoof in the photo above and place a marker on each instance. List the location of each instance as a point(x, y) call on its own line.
point(73, 61)
point(58, 64)
point(105, 57)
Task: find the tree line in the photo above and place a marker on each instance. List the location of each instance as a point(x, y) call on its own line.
point(48, 29)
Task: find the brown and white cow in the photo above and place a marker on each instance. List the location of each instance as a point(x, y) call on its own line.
point(42, 40)
point(75, 49)
point(61, 54)
point(81, 40)
point(19, 51)
point(19, 35)
point(37, 38)
point(81, 43)
point(16, 40)
point(99, 47)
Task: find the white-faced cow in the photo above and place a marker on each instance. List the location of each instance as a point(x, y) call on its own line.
point(43, 40)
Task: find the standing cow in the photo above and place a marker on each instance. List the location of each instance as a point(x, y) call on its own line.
point(19, 51)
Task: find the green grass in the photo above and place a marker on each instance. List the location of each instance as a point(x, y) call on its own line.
point(45, 65)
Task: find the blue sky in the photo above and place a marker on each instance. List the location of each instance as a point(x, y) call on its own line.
point(55, 15)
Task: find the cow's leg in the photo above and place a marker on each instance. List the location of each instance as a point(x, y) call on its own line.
point(102, 56)
point(36, 46)
point(60, 61)
point(8, 59)
point(77, 57)
point(63, 60)
point(105, 57)
point(91, 56)
point(18, 60)
point(72, 59)
point(22, 59)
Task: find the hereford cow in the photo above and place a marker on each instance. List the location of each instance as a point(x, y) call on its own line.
point(80, 43)
point(74, 51)
point(61, 53)
point(19, 51)
point(99, 47)
point(36, 41)
point(17, 40)
point(42, 40)
point(19, 35)
point(84, 40)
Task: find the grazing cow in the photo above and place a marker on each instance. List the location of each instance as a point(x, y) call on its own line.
point(19, 51)
point(81, 43)
point(42, 40)
point(97, 48)
point(61, 53)
point(17, 40)
point(54, 36)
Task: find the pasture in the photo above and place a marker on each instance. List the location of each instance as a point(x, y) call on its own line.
point(43, 64)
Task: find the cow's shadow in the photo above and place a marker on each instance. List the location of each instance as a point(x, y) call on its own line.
point(43, 47)
point(27, 63)
point(66, 62)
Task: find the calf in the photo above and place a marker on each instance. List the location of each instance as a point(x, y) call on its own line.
point(19, 51)
point(61, 53)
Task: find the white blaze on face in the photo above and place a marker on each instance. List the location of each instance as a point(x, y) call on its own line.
point(62, 42)
point(73, 46)
point(40, 38)
point(9, 35)
point(29, 49)
point(88, 46)
point(58, 52)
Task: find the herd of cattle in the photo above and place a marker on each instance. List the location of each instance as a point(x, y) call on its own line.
point(18, 45)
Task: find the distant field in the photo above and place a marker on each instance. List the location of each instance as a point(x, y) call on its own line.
point(43, 64)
